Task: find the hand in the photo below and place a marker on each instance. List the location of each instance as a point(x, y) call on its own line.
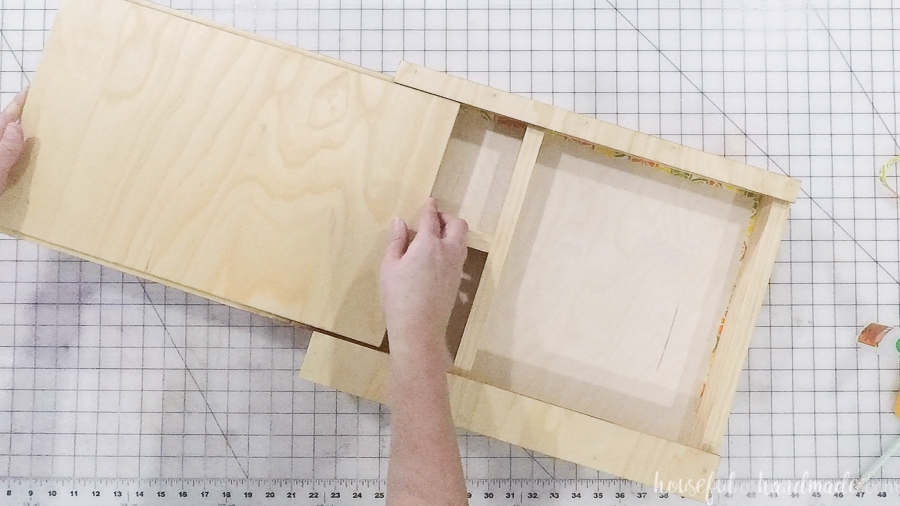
point(420, 279)
point(12, 137)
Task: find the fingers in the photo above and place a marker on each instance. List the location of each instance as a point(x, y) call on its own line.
point(429, 220)
point(12, 144)
point(399, 240)
point(455, 229)
point(13, 111)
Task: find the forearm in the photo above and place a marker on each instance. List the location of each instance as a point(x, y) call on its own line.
point(425, 466)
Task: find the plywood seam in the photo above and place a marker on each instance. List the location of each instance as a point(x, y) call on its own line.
point(479, 240)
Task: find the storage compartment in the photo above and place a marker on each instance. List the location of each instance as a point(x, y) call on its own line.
point(614, 288)
point(475, 172)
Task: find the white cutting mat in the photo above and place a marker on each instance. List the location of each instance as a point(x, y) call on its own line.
point(102, 375)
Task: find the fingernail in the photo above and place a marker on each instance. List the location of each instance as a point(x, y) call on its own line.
point(397, 224)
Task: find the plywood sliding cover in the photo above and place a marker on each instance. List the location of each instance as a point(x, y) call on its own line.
point(248, 171)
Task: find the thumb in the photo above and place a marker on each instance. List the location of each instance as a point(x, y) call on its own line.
point(399, 240)
point(12, 144)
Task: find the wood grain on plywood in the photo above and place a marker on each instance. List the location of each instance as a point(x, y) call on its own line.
point(211, 160)
point(613, 289)
point(260, 38)
point(522, 421)
point(599, 132)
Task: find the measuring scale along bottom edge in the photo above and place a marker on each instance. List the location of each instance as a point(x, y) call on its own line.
point(174, 491)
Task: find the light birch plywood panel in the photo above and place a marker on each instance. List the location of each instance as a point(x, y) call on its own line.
point(616, 281)
point(206, 159)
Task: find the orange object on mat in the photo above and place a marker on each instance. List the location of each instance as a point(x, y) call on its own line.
point(873, 334)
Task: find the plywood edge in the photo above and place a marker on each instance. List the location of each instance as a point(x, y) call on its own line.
point(344, 366)
point(506, 225)
point(732, 347)
point(526, 422)
point(479, 240)
point(258, 38)
point(149, 277)
point(599, 132)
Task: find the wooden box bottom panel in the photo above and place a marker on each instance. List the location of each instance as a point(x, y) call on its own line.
point(526, 422)
point(617, 279)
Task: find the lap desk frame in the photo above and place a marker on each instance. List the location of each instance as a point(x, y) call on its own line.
point(613, 281)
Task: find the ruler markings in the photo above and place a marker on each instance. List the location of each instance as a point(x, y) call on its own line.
point(240, 491)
